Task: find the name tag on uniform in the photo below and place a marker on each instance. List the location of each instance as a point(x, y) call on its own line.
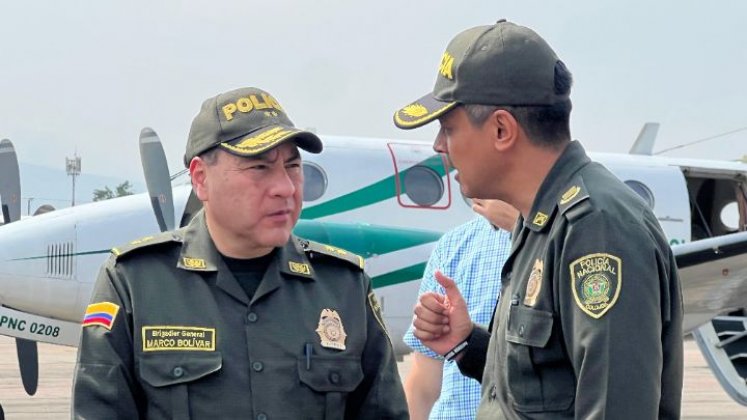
point(169, 338)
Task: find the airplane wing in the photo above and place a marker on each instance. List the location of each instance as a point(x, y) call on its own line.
point(713, 274)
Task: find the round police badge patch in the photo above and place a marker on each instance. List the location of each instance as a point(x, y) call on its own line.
point(596, 281)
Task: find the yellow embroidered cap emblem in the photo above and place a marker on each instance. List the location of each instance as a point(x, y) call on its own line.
point(596, 281)
point(540, 219)
point(446, 69)
point(415, 110)
point(194, 263)
point(534, 284)
point(331, 331)
point(570, 194)
point(261, 142)
point(299, 268)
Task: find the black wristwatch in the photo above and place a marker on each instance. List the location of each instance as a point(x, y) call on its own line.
point(459, 348)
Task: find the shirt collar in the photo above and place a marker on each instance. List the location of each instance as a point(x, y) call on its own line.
point(292, 259)
point(199, 253)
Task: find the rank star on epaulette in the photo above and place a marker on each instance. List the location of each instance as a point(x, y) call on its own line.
point(596, 281)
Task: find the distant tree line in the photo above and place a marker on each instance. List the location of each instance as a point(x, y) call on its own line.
point(106, 193)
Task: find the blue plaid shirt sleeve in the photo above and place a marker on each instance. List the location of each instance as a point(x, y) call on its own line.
point(427, 284)
point(473, 255)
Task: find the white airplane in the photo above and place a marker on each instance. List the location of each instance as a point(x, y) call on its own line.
point(388, 201)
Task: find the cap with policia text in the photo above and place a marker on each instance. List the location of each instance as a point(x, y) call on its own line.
point(245, 122)
point(501, 64)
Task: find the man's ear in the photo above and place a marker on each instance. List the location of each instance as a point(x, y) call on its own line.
point(505, 129)
point(198, 173)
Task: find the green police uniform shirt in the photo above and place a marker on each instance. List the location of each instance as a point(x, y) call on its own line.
point(171, 334)
point(589, 323)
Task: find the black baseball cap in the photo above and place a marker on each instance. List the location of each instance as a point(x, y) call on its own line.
point(500, 64)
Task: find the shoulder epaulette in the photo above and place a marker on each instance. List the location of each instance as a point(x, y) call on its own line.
point(333, 251)
point(145, 242)
point(568, 204)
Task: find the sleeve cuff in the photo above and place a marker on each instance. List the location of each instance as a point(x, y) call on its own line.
point(472, 363)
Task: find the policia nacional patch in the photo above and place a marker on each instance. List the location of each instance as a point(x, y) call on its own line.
point(596, 281)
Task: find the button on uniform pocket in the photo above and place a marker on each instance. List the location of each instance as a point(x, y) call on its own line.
point(328, 379)
point(172, 374)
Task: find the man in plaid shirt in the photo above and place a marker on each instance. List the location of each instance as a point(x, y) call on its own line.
point(473, 255)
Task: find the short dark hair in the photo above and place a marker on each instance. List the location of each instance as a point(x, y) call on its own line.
point(210, 156)
point(546, 125)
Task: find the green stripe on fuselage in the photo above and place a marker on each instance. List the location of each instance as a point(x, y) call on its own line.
point(362, 239)
point(374, 193)
point(74, 254)
point(403, 275)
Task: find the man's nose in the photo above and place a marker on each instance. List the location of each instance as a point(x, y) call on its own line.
point(439, 144)
point(283, 185)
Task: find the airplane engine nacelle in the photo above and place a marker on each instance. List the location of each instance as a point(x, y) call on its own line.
point(723, 342)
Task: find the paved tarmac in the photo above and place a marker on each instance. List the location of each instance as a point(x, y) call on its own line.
point(703, 396)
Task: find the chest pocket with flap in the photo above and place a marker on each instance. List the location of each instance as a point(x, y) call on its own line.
point(171, 374)
point(331, 379)
point(540, 378)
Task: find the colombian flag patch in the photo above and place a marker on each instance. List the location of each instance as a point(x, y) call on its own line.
point(102, 313)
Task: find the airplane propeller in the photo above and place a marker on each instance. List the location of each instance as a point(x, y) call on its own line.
point(28, 362)
point(10, 199)
point(157, 179)
point(10, 182)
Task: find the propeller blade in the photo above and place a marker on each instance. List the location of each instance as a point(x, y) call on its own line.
point(157, 178)
point(10, 182)
point(28, 361)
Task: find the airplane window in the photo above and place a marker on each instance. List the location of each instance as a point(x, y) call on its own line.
point(643, 191)
point(314, 181)
point(730, 216)
point(423, 185)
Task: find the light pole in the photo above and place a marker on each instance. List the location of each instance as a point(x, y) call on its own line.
point(28, 206)
point(72, 166)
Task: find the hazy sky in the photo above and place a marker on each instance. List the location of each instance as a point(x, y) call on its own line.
point(88, 75)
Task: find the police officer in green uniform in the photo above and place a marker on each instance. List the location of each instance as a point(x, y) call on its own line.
point(589, 323)
point(232, 316)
